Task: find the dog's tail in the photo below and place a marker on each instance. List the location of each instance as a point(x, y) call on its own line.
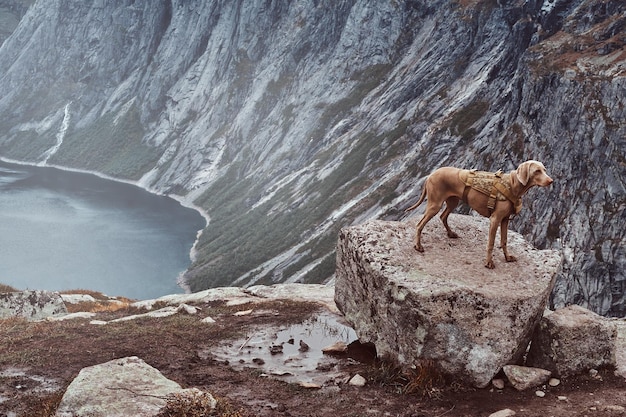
point(420, 201)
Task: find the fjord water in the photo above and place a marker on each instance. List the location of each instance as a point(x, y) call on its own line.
point(64, 230)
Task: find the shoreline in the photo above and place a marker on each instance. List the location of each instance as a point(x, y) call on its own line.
point(180, 281)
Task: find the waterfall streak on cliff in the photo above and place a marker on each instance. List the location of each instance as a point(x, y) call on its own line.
point(59, 136)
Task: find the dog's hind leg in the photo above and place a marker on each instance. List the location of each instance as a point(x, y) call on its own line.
point(431, 211)
point(451, 204)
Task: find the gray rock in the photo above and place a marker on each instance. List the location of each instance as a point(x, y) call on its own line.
point(32, 305)
point(523, 378)
point(507, 412)
point(441, 305)
point(571, 341)
point(620, 348)
point(119, 388)
point(357, 381)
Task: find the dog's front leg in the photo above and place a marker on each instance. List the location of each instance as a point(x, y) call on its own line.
point(504, 228)
point(494, 222)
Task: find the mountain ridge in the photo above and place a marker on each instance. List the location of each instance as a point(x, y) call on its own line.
point(286, 122)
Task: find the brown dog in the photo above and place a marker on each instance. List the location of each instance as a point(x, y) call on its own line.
point(450, 185)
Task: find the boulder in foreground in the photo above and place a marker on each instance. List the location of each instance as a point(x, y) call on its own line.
point(118, 388)
point(442, 305)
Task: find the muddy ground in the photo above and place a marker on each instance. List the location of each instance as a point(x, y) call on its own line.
point(232, 358)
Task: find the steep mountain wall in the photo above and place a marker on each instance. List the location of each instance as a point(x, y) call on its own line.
point(285, 121)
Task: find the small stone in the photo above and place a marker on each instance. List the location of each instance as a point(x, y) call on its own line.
point(309, 385)
point(98, 322)
point(339, 347)
point(276, 349)
point(615, 408)
point(498, 383)
point(185, 308)
point(522, 377)
point(303, 347)
point(507, 412)
point(562, 398)
point(540, 393)
point(554, 382)
point(208, 320)
point(243, 313)
point(593, 373)
point(357, 381)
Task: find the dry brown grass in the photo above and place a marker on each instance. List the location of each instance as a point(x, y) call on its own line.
point(199, 404)
point(6, 288)
point(102, 303)
point(424, 379)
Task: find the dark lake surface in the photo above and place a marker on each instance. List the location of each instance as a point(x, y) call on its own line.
point(64, 230)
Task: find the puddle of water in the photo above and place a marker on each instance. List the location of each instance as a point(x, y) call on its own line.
point(18, 379)
point(291, 353)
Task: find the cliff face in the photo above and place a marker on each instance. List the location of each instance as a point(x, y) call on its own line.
point(287, 121)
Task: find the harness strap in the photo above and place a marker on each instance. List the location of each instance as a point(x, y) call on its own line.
point(494, 185)
point(493, 196)
point(466, 191)
point(506, 192)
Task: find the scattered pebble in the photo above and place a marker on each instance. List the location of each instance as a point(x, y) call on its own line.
point(357, 381)
point(553, 382)
point(185, 308)
point(562, 398)
point(208, 320)
point(593, 373)
point(276, 349)
point(339, 347)
point(303, 347)
point(507, 412)
point(540, 393)
point(309, 385)
point(244, 313)
point(498, 383)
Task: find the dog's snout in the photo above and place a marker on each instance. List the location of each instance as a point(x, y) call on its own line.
point(549, 180)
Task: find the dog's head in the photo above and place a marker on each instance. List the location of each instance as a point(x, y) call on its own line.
point(533, 173)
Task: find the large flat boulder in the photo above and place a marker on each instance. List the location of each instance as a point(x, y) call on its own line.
point(442, 305)
point(119, 388)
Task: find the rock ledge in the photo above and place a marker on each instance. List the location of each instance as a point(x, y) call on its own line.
point(442, 305)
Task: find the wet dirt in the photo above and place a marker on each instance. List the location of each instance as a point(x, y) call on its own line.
point(292, 353)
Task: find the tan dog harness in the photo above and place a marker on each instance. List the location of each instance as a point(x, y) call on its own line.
point(496, 185)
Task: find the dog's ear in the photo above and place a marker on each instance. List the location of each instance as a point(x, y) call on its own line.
point(523, 172)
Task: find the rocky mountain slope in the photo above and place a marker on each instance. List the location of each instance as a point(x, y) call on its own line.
point(285, 121)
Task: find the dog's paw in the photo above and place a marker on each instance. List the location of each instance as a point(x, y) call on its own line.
point(453, 235)
point(490, 265)
point(511, 258)
point(419, 248)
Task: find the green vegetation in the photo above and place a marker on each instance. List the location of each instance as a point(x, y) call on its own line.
point(239, 238)
point(460, 122)
point(112, 145)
